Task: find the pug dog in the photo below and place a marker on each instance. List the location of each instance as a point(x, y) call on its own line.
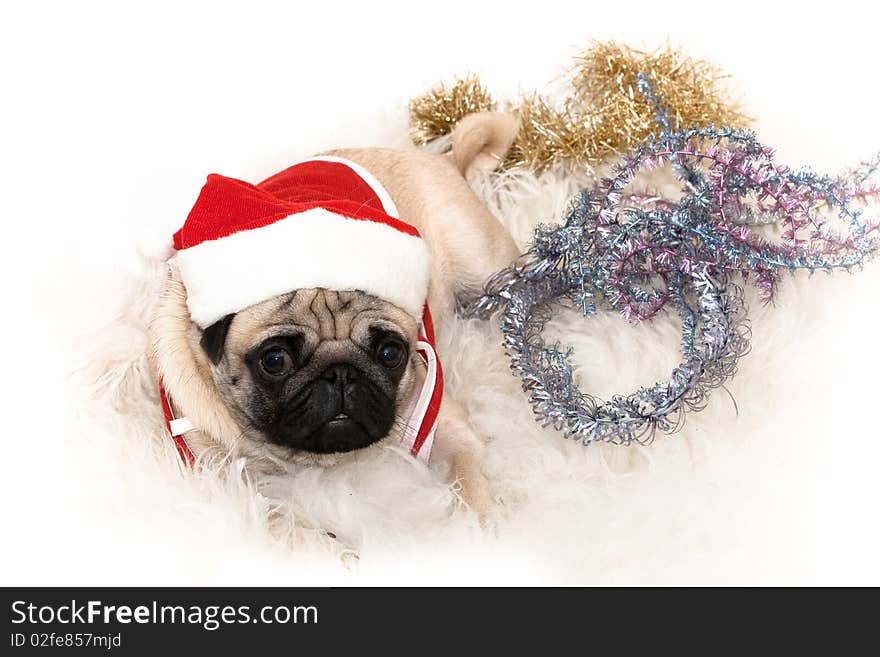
point(313, 375)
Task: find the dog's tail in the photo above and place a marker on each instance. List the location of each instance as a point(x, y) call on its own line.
point(481, 140)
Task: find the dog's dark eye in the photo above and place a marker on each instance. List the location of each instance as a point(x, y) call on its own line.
point(276, 361)
point(391, 354)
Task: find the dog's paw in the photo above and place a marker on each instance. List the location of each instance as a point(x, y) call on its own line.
point(476, 497)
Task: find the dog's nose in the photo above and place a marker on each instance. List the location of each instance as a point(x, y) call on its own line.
point(340, 374)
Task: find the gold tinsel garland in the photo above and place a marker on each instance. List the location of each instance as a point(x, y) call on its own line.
point(604, 115)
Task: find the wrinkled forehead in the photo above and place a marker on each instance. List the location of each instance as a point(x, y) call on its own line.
point(320, 315)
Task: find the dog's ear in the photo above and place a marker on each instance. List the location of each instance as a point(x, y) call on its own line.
point(214, 337)
point(481, 140)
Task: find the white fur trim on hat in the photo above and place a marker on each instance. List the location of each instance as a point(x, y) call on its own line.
point(313, 249)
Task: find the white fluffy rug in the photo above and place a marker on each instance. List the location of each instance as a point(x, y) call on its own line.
point(761, 489)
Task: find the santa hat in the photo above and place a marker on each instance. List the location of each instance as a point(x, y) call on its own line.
point(325, 222)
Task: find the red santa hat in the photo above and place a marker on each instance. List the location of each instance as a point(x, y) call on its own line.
point(325, 222)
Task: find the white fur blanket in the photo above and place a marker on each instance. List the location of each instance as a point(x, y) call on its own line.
point(741, 494)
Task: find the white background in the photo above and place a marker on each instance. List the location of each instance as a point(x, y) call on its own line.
point(112, 114)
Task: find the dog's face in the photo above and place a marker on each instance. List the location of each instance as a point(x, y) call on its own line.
point(315, 370)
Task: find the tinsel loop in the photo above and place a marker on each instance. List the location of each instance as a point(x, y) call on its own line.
point(639, 254)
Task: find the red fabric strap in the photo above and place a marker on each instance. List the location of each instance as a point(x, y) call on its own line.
point(183, 449)
point(429, 422)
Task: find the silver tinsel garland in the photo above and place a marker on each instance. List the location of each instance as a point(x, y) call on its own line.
point(639, 254)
